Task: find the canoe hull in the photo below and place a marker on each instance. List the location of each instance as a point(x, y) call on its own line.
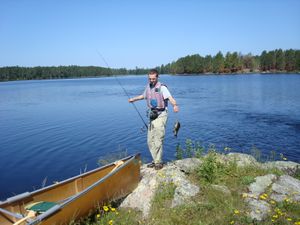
point(79, 195)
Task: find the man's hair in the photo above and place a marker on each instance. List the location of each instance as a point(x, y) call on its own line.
point(153, 71)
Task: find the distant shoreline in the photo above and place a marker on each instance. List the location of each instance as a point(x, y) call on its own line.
point(277, 61)
point(185, 74)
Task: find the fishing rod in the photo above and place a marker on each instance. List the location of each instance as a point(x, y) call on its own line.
point(136, 109)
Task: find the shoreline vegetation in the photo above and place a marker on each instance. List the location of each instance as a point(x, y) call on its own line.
point(276, 61)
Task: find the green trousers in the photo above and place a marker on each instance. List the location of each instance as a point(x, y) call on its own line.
point(156, 135)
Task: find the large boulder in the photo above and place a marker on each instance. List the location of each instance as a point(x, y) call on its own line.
point(285, 188)
point(141, 198)
point(242, 160)
point(260, 185)
point(258, 209)
point(187, 165)
point(287, 167)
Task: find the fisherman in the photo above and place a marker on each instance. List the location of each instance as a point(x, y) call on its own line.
point(157, 96)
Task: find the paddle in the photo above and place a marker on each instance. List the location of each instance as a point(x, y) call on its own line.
point(29, 215)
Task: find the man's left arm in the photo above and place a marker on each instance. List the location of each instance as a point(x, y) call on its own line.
point(174, 103)
point(167, 95)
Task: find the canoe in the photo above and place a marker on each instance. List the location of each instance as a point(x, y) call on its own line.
point(75, 197)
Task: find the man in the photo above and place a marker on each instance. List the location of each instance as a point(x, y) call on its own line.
point(157, 96)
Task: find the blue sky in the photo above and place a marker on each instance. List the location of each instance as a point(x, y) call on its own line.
point(141, 33)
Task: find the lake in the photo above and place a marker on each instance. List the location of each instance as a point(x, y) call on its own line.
point(53, 129)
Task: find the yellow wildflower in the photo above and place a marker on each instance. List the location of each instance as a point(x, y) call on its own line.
point(297, 223)
point(275, 216)
point(232, 222)
point(105, 208)
point(277, 210)
point(273, 202)
point(117, 213)
point(113, 209)
point(98, 215)
point(236, 211)
point(289, 219)
point(110, 222)
point(245, 195)
point(262, 197)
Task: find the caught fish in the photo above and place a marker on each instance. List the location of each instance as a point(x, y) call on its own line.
point(176, 128)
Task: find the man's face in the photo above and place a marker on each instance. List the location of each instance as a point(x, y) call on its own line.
point(152, 79)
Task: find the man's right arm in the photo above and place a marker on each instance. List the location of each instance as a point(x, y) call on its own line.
point(136, 98)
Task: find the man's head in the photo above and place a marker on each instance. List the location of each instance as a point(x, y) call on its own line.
point(153, 77)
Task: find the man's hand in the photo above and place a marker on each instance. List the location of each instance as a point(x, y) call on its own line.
point(176, 108)
point(136, 98)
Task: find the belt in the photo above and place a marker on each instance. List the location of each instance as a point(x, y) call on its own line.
point(159, 110)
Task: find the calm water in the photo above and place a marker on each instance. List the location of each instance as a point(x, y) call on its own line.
point(53, 129)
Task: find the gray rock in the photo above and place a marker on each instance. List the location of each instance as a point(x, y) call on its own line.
point(184, 189)
point(259, 209)
point(260, 184)
point(242, 160)
point(142, 197)
point(287, 167)
point(183, 193)
point(286, 187)
point(187, 165)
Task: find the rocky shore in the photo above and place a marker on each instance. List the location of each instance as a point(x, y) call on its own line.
point(280, 188)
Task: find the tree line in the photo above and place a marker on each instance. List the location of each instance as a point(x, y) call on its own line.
point(272, 61)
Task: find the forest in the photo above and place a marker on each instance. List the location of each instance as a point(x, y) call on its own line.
point(276, 61)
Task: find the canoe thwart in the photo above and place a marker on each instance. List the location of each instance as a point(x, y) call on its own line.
point(16, 215)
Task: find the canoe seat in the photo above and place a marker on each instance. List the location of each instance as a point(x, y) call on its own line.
point(40, 207)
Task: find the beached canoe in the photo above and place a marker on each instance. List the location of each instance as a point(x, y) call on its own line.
point(73, 198)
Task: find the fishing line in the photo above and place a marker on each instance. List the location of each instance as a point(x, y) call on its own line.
point(136, 109)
